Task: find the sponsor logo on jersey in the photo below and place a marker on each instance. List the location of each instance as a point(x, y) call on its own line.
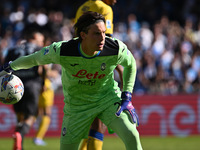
point(89, 82)
point(84, 74)
point(103, 66)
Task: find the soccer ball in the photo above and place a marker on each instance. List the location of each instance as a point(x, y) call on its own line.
point(11, 89)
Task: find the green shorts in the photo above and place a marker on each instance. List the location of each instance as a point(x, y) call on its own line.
point(77, 122)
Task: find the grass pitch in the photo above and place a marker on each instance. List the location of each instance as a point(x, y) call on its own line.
point(114, 143)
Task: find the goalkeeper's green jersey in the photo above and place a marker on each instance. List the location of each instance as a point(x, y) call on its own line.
point(85, 79)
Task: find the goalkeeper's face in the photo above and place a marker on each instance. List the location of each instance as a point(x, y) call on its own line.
point(94, 39)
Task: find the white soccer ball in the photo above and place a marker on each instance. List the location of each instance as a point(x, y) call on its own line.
point(11, 89)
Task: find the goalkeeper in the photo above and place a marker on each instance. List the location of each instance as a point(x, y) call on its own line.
point(97, 130)
point(89, 87)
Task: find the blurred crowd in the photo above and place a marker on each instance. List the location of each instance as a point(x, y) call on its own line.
point(167, 51)
point(168, 56)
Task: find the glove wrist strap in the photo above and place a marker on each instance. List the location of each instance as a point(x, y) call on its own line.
point(126, 96)
point(7, 67)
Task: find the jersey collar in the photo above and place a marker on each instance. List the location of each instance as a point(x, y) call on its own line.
point(85, 55)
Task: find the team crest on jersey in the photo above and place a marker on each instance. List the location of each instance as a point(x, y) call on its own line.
point(103, 66)
point(64, 131)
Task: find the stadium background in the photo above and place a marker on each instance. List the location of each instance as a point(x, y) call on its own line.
point(165, 95)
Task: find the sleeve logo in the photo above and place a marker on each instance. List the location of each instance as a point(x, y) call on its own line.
point(46, 51)
point(108, 24)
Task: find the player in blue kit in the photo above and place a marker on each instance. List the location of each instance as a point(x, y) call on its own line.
point(89, 87)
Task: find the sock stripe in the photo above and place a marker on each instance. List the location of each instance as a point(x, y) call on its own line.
point(96, 135)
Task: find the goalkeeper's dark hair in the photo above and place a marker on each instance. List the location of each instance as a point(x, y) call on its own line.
point(85, 21)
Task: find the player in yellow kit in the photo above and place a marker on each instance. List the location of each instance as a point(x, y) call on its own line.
point(95, 140)
point(101, 7)
point(46, 100)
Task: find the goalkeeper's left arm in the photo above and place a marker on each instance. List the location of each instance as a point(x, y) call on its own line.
point(129, 75)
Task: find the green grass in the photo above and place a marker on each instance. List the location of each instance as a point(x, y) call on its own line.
point(114, 143)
